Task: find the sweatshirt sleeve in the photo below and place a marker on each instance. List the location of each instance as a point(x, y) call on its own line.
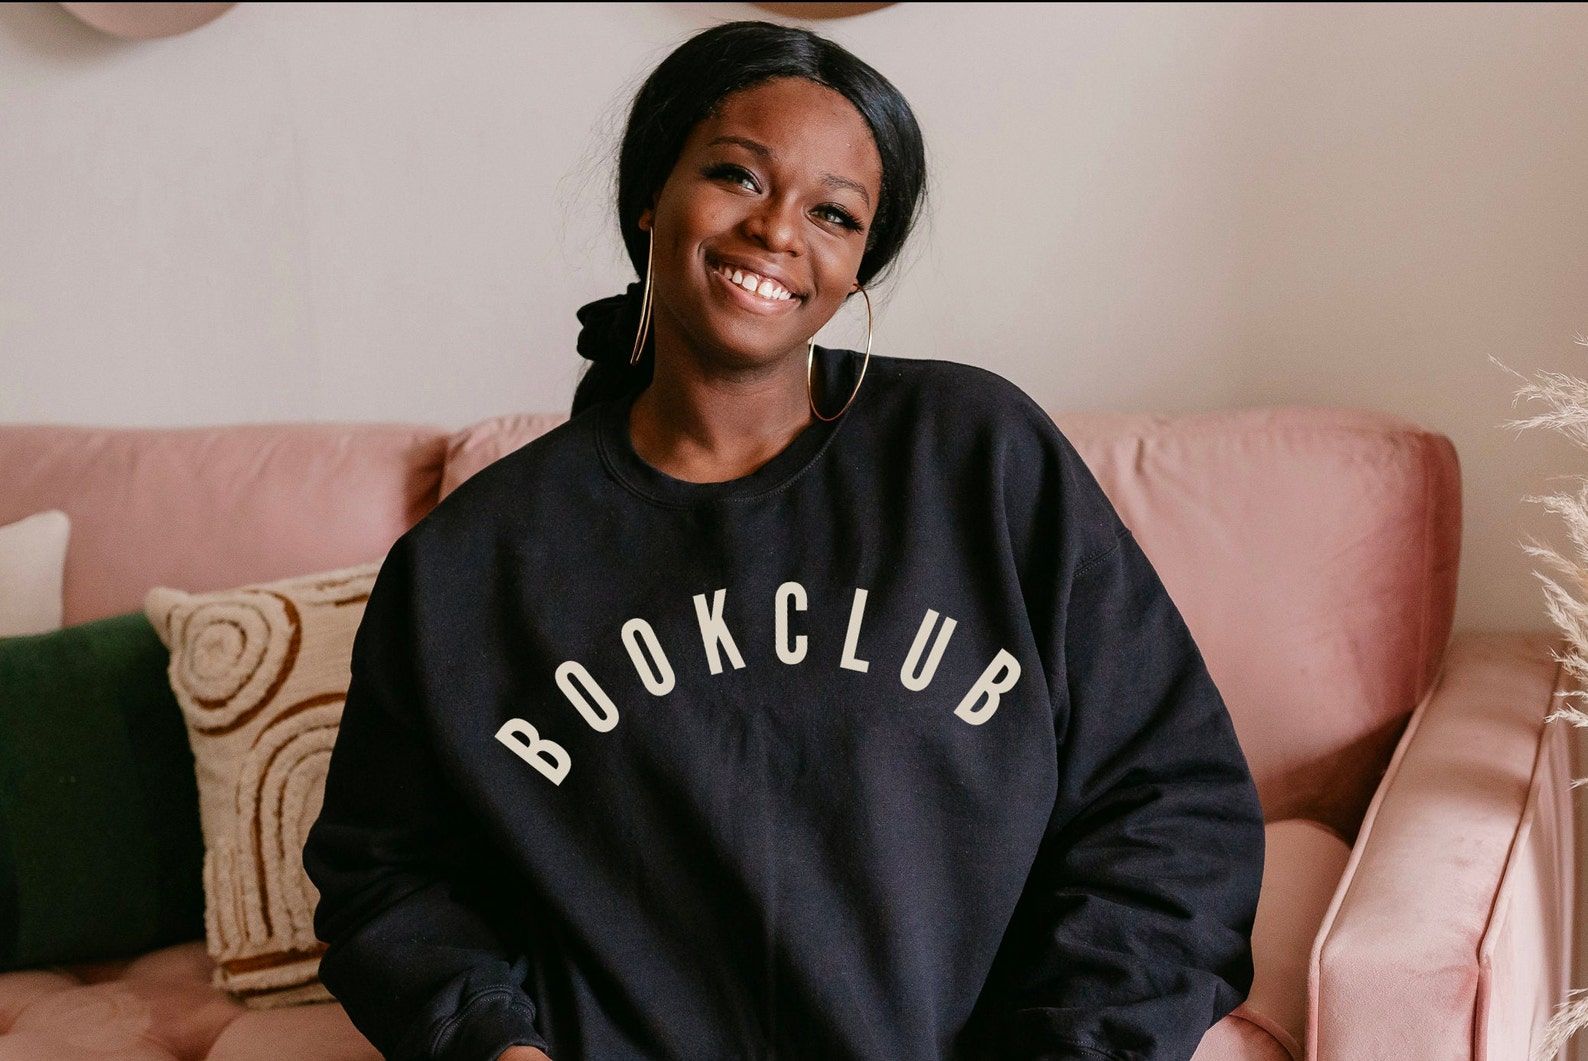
point(1133, 934)
point(411, 955)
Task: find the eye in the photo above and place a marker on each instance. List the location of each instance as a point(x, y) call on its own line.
point(729, 171)
point(843, 217)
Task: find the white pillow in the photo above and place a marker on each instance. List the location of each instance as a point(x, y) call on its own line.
point(33, 573)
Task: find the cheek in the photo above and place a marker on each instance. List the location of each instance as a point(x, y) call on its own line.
point(837, 275)
point(703, 219)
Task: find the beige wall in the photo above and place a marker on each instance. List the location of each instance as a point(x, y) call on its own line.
point(391, 211)
point(327, 211)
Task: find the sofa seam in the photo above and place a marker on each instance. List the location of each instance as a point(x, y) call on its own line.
point(1285, 1040)
point(1430, 443)
point(1347, 882)
point(1179, 423)
point(1499, 905)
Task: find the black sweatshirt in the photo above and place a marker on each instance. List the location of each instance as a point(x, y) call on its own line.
point(895, 748)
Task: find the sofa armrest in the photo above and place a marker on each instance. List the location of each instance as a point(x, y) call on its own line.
point(1449, 935)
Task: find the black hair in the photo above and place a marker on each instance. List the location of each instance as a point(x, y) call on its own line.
point(687, 87)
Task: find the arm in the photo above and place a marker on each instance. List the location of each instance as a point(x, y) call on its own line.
point(1452, 924)
point(413, 961)
point(1133, 936)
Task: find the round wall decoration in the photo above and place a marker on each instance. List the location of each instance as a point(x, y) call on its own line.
point(821, 10)
point(146, 21)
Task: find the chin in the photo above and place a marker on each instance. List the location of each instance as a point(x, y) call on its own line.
point(744, 340)
point(752, 351)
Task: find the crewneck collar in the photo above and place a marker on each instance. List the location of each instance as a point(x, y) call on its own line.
point(835, 373)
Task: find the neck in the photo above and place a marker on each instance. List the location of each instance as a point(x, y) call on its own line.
point(704, 421)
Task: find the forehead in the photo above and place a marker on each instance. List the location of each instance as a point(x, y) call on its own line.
point(805, 124)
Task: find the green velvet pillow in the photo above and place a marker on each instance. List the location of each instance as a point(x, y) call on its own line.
point(101, 854)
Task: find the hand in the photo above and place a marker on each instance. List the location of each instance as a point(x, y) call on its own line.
point(521, 1053)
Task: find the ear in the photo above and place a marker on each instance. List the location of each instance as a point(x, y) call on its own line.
point(648, 217)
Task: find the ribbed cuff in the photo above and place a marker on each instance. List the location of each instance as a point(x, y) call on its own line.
point(488, 1024)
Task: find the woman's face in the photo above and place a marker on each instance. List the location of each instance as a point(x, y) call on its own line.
point(783, 180)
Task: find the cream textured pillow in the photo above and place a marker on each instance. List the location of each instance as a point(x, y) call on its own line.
point(33, 573)
point(261, 673)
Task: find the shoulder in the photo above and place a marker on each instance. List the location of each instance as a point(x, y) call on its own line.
point(974, 402)
point(941, 378)
point(1012, 438)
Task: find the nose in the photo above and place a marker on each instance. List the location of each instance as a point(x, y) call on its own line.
point(776, 225)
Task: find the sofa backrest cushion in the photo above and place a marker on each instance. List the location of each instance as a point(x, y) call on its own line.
point(206, 508)
point(1314, 553)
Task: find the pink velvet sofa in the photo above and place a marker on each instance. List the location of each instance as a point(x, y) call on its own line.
point(1417, 899)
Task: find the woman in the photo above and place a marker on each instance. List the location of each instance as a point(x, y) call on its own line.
point(785, 702)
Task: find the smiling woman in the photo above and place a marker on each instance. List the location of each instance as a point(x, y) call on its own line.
point(768, 707)
point(767, 157)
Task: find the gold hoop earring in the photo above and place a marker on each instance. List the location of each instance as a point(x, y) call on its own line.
point(810, 362)
point(645, 303)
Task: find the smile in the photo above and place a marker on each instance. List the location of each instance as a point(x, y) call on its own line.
point(752, 301)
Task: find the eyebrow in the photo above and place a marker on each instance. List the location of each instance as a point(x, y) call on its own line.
point(832, 180)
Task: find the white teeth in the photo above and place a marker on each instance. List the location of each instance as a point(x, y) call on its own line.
point(767, 289)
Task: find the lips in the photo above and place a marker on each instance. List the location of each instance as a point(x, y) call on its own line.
point(746, 300)
point(764, 272)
